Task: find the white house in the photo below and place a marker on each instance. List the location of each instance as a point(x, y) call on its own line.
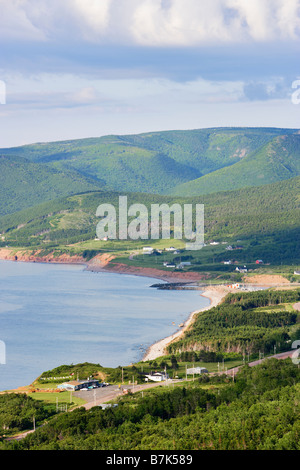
point(148, 250)
point(183, 264)
point(297, 273)
point(242, 270)
point(157, 377)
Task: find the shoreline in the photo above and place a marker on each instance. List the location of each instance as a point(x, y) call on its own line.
point(102, 264)
point(215, 294)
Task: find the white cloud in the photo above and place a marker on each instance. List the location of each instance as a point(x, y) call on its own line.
point(264, 20)
point(151, 22)
point(94, 16)
point(15, 22)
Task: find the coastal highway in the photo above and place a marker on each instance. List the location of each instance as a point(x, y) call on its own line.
point(283, 355)
point(102, 395)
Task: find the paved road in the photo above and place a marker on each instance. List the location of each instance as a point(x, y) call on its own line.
point(102, 395)
point(283, 355)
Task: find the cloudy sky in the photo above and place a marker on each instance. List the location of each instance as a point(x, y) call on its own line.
point(86, 68)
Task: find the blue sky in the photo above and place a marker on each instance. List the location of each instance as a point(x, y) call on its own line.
point(86, 68)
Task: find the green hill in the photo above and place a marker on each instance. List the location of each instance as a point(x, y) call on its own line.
point(161, 161)
point(276, 161)
point(268, 218)
point(24, 183)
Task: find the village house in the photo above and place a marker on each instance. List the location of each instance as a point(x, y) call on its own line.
point(76, 385)
point(157, 377)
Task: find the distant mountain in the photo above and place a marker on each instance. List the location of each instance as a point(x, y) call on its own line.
point(276, 161)
point(24, 183)
point(187, 163)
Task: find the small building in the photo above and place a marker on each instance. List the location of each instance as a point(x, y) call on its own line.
point(242, 270)
point(227, 262)
point(171, 248)
point(75, 385)
point(297, 273)
point(183, 264)
point(197, 370)
point(259, 261)
point(157, 377)
point(148, 250)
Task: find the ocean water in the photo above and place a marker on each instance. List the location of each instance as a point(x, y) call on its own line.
point(61, 314)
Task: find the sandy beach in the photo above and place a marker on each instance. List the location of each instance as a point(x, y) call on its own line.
point(215, 293)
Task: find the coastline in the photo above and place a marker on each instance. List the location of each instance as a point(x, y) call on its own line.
point(102, 263)
point(215, 294)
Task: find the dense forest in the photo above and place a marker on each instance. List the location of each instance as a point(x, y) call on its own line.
point(246, 323)
point(259, 410)
point(185, 163)
point(268, 220)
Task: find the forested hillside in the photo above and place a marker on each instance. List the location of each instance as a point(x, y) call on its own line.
point(245, 323)
point(276, 161)
point(187, 163)
point(258, 411)
point(269, 219)
point(24, 184)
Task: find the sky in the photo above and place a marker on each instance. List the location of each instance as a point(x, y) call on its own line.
point(85, 68)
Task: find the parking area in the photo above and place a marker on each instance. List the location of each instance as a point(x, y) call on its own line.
point(98, 396)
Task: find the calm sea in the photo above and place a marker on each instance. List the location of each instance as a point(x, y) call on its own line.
point(58, 314)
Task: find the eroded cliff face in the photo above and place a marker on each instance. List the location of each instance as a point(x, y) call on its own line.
point(38, 257)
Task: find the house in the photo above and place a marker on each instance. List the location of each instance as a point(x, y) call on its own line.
point(242, 270)
point(297, 273)
point(227, 262)
point(167, 265)
point(148, 250)
point(76, 385)
point(183, 264)
point(259, 261)
point(157, 377)
point(197, 370)
point(229, 248)
point(171, 248)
